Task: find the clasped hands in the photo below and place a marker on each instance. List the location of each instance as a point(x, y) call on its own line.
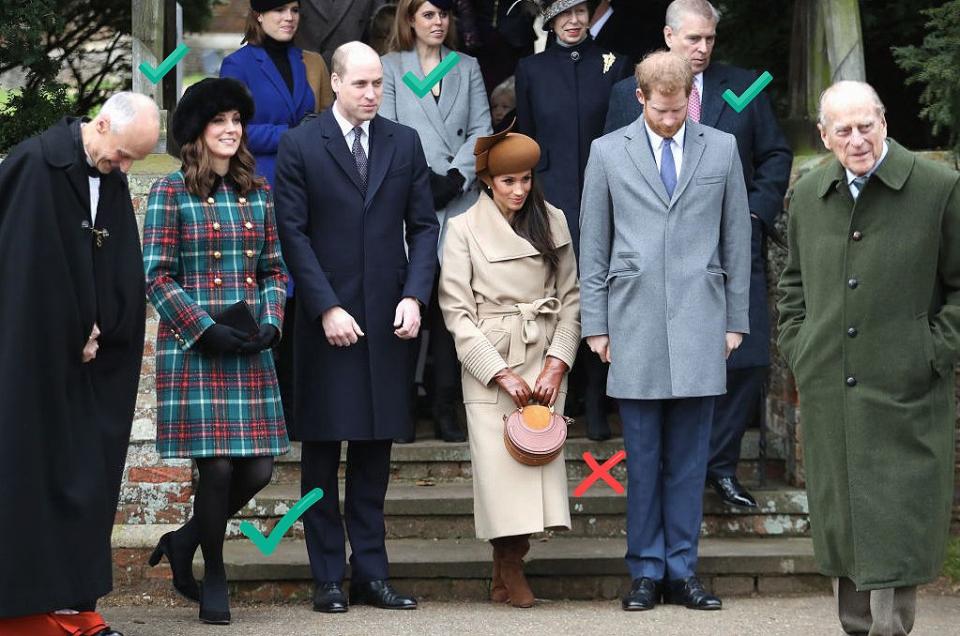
point(341, 330)
point(545, 390)
point(219, 338)
point(600, 345)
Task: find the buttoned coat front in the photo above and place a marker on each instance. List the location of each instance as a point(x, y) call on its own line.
point(664, 277)
point(505, 309)
point(448, 128)
point(870, 326)
point(200, 257)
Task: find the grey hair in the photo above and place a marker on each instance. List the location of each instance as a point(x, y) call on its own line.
point(845, 85)
point(122, 108)
point(680, 8)
point(508, 86)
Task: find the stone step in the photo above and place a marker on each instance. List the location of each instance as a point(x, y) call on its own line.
point(445, 511)
point(558, 568)
point(435, 459)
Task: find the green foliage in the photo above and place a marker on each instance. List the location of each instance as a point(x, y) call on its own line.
point(31, 111)
point(951, 567)
point(197, 13)
point(935, 64)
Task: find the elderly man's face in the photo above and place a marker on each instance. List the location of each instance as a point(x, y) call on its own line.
point(854, 130)
point(694, 40)
point(109, 149)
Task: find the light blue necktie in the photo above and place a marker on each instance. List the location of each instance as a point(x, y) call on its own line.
point(668, 169)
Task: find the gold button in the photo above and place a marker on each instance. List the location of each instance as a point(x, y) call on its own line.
point(216, 226)
point(210, 200)
point(249, 253)
point(242, 200)
point(249, 281)
point(217, 281)
point(217, 254)
point(248, 225)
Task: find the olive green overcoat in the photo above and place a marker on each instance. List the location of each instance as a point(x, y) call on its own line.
point(870, 326)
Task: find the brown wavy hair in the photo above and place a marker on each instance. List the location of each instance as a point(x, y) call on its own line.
point(403, 38)
point(198, 174)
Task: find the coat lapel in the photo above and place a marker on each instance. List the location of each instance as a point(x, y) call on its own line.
point(692, 152)
point(638, 147)
point(411, 63)
point(300, 85)
point(268, 68)
point(450, 88)
point(714, 83)
point(382, 148)
point(497, 240)
point(337, 147)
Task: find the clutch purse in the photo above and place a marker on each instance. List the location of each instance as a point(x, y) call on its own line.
point(534, 435)
point(238, 316)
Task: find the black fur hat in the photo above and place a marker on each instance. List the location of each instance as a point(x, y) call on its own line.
point(201, 103)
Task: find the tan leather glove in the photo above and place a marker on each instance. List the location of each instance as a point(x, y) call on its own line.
point(514, 386)
point(547, 388)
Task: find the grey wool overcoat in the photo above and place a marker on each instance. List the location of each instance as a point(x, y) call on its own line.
point(665, 278)
point(870, 325)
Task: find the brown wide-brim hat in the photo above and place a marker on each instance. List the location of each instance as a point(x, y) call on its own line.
point(505, 153)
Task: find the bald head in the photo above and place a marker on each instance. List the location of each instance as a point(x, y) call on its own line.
point(852, 125)
point(125, 130)
point(357, 79)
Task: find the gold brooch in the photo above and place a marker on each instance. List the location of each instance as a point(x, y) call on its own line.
point(608, 60)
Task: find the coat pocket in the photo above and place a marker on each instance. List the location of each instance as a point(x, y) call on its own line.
point(473, 391)
point(711, 178)
point(927, 337)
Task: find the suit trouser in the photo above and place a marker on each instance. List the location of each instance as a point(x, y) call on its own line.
point(734, 411)
point(368, 472)
point(667, 443)
point(885, 612)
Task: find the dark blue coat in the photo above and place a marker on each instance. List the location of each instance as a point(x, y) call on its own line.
point(766, 159)
point(349, 250)
point(562, 103)
point(276, 109)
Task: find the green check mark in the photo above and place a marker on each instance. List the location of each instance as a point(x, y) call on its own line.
point(739, 103)
point(267, 545)
point(156, 74)
point(421, 87)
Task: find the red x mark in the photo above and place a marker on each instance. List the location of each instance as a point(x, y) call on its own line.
point(601, 472)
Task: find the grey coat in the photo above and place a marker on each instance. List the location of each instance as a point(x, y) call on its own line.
point(665, 279)
point(449, 128)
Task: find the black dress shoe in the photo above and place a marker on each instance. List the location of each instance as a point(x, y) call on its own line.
point(644, 595)
point(181, 565)
point(214, 602)
point(689, 592)
point(732, 492)
point(329, 598)
point(380, 594)
point(109, 632)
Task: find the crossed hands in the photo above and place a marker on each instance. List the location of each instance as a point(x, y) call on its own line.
point(545, 390)
point(342, 330)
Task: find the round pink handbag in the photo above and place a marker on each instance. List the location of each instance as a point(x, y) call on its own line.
point(534, 435)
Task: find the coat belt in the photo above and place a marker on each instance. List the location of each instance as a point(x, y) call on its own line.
point(524, 329)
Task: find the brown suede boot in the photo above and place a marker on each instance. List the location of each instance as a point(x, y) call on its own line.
point(498, 591)
point(511, 569)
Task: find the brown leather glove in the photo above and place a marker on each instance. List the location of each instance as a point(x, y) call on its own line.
point(514, 386)
point(547, 388)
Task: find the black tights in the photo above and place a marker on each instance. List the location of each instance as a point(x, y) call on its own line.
point(226, 485)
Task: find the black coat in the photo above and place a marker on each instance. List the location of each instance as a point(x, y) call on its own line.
point(562, 98)
point(347, 250)
point(635, 28)
point(65, 425)
point(766, 158)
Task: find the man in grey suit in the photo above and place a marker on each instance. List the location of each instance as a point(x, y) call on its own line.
point(326, 24)
point(665, 277)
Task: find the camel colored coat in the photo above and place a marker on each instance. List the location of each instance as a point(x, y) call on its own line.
point(504, 307)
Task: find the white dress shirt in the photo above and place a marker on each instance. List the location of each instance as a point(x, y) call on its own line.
point(656, 142)
point(94, 189)
point(348, 133)
point(601, 21)
point(850, 176)
point(698, 80)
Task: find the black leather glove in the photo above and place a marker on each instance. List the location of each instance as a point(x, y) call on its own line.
point(445, 187)
point(222, 339)
point(266, 338)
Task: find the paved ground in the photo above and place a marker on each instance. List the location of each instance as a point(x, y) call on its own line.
point(795, 616)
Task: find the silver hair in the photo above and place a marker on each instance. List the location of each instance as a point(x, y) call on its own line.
point(680, 8)
point(843, 85)
point(122, 108)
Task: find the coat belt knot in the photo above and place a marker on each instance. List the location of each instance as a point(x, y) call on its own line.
point(524, 330)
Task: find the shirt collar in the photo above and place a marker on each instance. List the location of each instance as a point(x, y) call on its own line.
point(883, 155)
point(345, 126)
point(698, 80)
point(657, 141)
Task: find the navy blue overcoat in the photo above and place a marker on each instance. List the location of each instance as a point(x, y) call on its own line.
point(363, 253)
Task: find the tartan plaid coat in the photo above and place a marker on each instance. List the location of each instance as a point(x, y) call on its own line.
point(200, 257)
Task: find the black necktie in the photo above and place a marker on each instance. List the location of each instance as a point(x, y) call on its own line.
point(360, 157)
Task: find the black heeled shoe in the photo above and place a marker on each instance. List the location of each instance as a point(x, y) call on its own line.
point(214, 616)
point(183, 581)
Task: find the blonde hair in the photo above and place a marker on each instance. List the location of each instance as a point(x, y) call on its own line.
point(403, 38)
point(664, 71)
